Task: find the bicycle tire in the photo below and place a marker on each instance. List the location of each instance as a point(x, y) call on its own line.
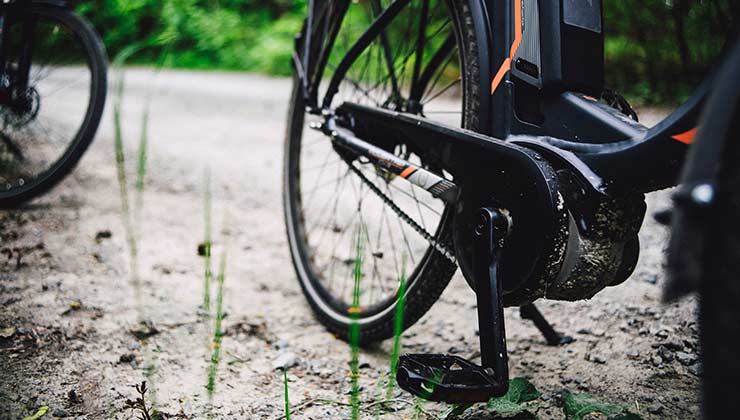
point(434, 272)
point(98, 62)
point(719, 289)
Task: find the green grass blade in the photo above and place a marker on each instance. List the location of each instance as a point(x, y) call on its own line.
point(217, 333)
point(397, 329)
point(207, 241)
point(354, 332)
point(285, 387)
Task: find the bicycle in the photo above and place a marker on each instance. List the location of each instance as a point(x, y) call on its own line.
point(538, 194)
point(52, 92)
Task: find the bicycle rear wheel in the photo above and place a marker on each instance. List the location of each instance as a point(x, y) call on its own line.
point(333, 216)
point(46, 128)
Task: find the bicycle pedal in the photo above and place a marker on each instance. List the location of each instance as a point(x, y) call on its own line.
point(447, 378)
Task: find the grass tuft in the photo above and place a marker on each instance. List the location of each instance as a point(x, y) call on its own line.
point(397, 329)
point(207, 242)
point(217, 331)
point(354, 330)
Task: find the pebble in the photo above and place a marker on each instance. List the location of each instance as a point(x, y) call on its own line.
point(59, 412)
point(655, 408)
point(695, 369)
point(633, 354)
point(665, 354)
point(285, 361)
point(596, 359)
point(685, 358)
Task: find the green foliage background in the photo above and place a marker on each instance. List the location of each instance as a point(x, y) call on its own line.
point(656, 50)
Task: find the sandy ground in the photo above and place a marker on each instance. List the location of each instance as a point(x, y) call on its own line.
point(72, 307)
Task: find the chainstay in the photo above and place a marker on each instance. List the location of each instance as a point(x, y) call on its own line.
point(439, 247)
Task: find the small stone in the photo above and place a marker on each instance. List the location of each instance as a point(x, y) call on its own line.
point(665, 354)
point(285, 361)
point(127, 358)
point(584, 331)
point(103, 234)
point(633, 354)
point(657, 360)
point(596, 359)
point(685, 358)
point(655, 408)
point(695, 369)
point(59, 412)
point(74, 397)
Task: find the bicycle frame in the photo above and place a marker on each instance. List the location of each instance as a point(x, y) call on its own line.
point(13, 87)
point(555, 112)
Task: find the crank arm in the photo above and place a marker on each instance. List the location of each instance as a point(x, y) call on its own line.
point(345, 139)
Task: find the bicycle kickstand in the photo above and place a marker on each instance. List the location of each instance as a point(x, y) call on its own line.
point(452, 379)
point(553, 338)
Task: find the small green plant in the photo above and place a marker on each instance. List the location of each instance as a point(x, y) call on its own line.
point(138, 405)
point(217, 333)
point(354, 330)
point(397, 329)
point(207, 243)
point(132, 220)
point(580, 406)
point(285, 392)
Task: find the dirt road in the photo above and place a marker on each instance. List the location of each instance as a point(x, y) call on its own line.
point(69, 307)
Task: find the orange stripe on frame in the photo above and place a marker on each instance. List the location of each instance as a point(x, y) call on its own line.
point(500, 74)
point(408, 171)
point(687, 137)
point(517, 28)
point(506, 65)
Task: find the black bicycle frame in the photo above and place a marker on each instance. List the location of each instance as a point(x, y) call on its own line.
point(18, 84)
point(549, 106)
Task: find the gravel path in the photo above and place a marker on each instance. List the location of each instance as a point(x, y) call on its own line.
point(70, 308)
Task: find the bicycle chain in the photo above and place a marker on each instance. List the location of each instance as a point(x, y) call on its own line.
point(439, 247)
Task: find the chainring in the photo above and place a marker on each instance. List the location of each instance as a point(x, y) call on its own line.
point(534, 251)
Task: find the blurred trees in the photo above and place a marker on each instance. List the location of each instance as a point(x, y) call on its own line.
point(656, 50)
point(659, 50)
point(253, 35)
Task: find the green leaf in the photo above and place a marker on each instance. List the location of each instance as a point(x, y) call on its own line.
point(576, 407)
point(521, 391)
point(42, 411)
point(501, 405)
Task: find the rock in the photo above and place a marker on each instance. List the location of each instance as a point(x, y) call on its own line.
point(144, 330)
point(127, 358)
point(60, 412)
point(695, 369)
point(103, 234)
point(596, 358)
point(633, 354)
point(584, 331)
point(7, 332)
point(285, 361)
point(655, 408)
point(685, 358)
point(665, 354)
point(657, 360)
point(74, 397)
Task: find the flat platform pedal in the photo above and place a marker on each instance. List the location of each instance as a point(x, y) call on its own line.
point(447, 378)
